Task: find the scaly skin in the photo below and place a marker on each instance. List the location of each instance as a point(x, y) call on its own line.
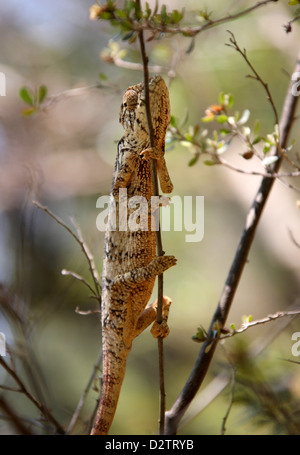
point(130, 264)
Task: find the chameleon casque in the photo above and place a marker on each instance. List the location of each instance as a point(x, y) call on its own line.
point(130, 264)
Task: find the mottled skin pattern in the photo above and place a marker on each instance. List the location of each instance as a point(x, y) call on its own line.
point(130, 264)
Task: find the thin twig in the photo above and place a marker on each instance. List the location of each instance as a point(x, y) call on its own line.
point(84, 395)
point(89, 257)
point(288, 27)
point(293, 238)
point(51, 100)
point(79, 278)
point(82, 244)
point(23, 389)
point(87, 312)
point(253, 217)
point(233, 43)
point(159, 248)
point(113, 58)
point(247, 325)
point(13, 417)
point(225, 418)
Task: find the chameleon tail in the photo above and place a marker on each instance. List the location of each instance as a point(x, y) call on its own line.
point(113, 375)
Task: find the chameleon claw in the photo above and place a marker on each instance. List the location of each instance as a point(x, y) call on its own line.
point(160, 330)
point(147, 154)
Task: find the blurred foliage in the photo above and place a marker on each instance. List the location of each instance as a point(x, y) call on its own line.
point(63, 156)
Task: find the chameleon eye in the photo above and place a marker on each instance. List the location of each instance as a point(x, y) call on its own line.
point(130, 99)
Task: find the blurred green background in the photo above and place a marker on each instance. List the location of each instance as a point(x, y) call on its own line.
point(64, 158)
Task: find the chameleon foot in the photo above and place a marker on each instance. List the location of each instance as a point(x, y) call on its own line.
point(161, 329)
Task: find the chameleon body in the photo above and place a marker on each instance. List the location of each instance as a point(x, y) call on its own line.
point(130, 264)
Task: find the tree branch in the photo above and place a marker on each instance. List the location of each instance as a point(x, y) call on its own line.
point(174, 415)
point(156, 27)
point(159, 248)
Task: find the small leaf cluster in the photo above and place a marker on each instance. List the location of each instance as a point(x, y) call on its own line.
point(33, 98)
point(200, 141)
point(131, 18)
point(202, 335)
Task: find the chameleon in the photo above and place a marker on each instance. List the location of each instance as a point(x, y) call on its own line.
point(130, 263)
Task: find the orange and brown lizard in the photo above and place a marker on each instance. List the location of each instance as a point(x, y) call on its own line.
point(130, 263)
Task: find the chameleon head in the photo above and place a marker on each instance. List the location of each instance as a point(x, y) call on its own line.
point(130, 99)
point(129, 107)
point(133, 112)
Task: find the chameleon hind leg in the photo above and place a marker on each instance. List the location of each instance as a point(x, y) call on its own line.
point(149, 316)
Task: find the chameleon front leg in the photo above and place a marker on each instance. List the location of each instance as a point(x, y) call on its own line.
point(157, 154)
point(125, 165)
point(157, 266)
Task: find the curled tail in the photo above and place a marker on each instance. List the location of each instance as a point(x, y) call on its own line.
point(113, 375)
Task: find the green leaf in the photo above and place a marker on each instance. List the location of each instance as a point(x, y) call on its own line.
point(191, 46)
point(188, 137)
point(210, 163)
point(26, 96)
point(200, 336)
point(128, 36)
point(224, 131)
point(256, 140)
point(156, 7)
point(163, 13)
point(129, 5)
point(173, 120)
point(226, 99)
point(176, 16)
point(294, 2)
point(208, 119)
point(121, 13)
point(29, 111)
point(125, 26)
point(148, 10)
point(247, 319)
point(222, 118)
point(194, 160)
point(42, 93)
point(231, 100)
point(106, 15)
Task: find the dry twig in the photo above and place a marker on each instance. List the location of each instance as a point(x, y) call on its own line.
point(159, 248)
